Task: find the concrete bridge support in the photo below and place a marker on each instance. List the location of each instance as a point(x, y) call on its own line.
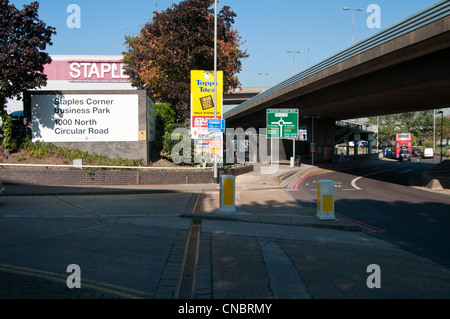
point(321, 135)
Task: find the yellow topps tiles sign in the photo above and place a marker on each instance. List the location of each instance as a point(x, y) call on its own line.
point(203, 82)
point(202, 100)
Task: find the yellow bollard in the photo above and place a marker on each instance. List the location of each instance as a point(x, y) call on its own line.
point(325, 199)
point(227, 194)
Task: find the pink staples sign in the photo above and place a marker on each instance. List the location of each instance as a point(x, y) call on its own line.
point(85, 71)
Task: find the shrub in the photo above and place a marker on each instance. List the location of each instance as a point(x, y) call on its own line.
point(46, 150)
point(167, 142)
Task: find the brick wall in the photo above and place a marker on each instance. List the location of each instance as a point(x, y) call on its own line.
point(99, 177)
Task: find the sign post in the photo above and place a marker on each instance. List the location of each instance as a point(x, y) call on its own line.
point(216, 173)
point(206, 104)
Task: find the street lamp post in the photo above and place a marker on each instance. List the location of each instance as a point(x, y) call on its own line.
point(307, 57)
point(216, 173)
point(434, 130)
point(263, 74)
point(293, 54)
point(353, 22)
point(442, 129)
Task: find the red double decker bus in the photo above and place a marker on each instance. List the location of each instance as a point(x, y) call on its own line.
point(401, 141)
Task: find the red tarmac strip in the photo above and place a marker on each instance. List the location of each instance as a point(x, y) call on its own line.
point(295, 185)
point(368, 227)
point(363, 225)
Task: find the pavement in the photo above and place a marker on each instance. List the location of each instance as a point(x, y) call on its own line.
point(307, 257)
point(261, 197)
point(436, 179)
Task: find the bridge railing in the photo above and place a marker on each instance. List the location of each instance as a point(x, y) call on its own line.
point(344, 128)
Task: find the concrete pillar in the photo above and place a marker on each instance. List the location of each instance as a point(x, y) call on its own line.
point(356, 138)
point(324, 134)
point(370, 139)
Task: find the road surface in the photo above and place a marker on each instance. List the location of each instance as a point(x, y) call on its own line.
point(377, 196)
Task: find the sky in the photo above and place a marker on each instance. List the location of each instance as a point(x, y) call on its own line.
point(269, 29)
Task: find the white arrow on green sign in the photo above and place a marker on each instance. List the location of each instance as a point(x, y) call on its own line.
point(282, 123)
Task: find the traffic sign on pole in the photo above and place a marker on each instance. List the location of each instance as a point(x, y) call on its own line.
point(216, 125)
point(282, 123)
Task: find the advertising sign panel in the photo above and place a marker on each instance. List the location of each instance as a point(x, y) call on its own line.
point(215, 143)
point(85, 117)
point(86, 70)
point(202, 100)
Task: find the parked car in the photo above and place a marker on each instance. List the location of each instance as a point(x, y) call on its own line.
point(404, 154)
point(417, 152)
point(428, 153)
point(387, 152)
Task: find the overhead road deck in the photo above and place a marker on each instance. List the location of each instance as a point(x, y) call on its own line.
point(240, 95)
point(401, 68)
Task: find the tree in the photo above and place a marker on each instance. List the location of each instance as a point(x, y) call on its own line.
point(178, 40)
point(387, 126)
point(420, 124)
point(165, 116)
point(23, 38)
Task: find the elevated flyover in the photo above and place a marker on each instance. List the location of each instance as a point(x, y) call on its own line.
point(240, 95)
point(403, 68)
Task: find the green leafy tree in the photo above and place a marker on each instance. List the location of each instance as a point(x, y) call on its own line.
point(420, 124)
point(178, 40)
point(165, 117)
point(23, 38)
point(387, 126)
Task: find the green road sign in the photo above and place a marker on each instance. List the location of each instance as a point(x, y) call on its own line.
point(282, 123)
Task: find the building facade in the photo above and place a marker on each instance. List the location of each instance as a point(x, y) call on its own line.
point(90, 104)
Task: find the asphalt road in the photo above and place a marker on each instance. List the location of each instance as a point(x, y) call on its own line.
point(120, 240)
point(377, 195)
point(132, 246)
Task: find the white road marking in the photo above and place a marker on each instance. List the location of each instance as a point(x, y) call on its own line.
point(353, 183)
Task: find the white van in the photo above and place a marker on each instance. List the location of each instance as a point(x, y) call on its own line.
point(428, 153)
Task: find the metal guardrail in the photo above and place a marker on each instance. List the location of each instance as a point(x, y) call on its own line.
point(420, 19)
